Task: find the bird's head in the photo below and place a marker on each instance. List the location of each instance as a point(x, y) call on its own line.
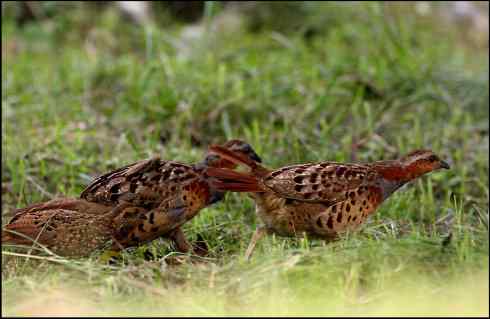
point(235, 145)
point(420, 162)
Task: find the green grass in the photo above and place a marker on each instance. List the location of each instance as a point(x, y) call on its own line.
point(84, 93)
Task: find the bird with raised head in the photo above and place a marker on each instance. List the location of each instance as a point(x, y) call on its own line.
point(320, 199)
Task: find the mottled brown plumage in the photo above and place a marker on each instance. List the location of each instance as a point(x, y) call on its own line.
point(67, 226)
point(128, 206)
point(320, 199)
point(170, 193)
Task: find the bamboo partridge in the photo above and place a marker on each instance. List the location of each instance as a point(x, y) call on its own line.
point(320, 199)
point(67, 226)
point(169, 192)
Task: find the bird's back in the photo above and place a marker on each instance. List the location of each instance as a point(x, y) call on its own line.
point(70, 227)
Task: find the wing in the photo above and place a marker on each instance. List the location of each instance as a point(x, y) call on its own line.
point(326, 182)
point(169, 215)
point(146, 183)
point(99, 188)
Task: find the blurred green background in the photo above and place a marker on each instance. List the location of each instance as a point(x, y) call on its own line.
point(89, 87)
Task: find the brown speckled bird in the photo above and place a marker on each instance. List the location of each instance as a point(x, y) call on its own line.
point(170, 193)
point(67, 226)
point(128, 206)
point(320, 199)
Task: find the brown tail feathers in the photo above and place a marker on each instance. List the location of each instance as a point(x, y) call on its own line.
point(224, 179)
point(239, 159)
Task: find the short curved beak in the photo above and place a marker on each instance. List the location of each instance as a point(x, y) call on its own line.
point(255, 157)
point(445, 165)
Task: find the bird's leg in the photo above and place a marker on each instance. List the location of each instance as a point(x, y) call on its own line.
point(260, 232)
point(181, 243)
point(200, 247)
point(183, 246)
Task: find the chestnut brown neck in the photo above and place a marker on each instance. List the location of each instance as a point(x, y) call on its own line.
point(394, 175)
point(395, 171)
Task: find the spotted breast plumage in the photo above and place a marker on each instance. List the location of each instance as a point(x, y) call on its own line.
point(171, 194)
point(320, 199)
